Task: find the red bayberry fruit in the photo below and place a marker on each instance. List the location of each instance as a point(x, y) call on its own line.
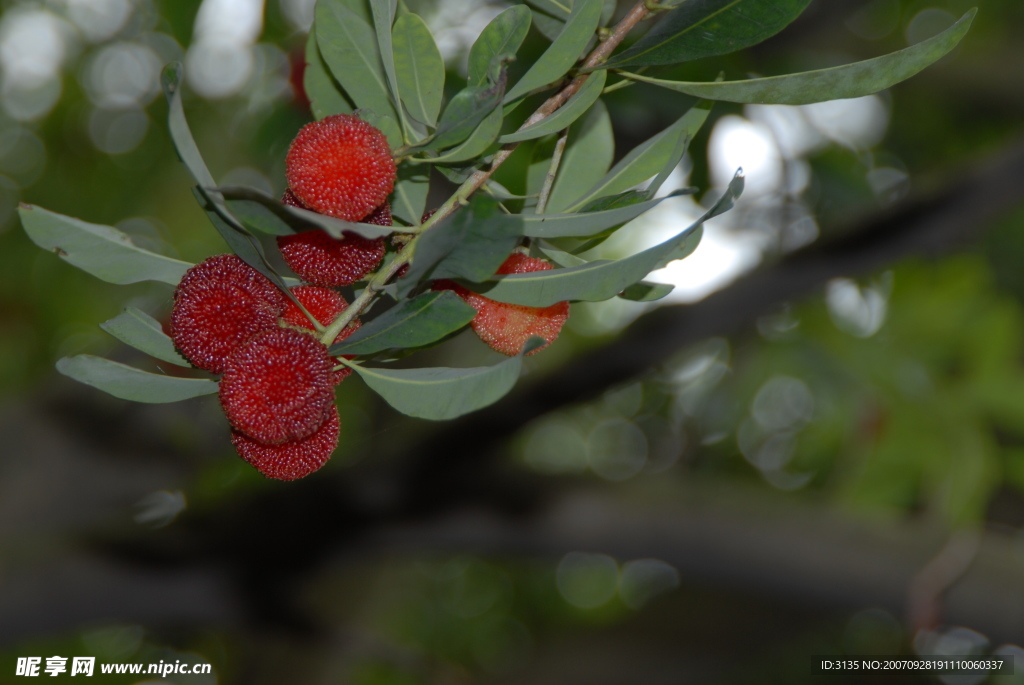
point(325, 261)
point(340, 166)
point(507, 327)
point(278, 386)
point(218, 305)
point(325, 305)
point(381, 216)
point(293, 459)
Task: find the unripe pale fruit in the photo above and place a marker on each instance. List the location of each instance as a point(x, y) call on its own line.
point(278, 386)
point(293, 459)
point(506, 327)
point(340, 166)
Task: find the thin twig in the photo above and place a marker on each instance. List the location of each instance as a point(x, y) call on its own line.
point(549, 180)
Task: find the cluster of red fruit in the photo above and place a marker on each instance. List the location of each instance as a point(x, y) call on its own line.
point(277, 387)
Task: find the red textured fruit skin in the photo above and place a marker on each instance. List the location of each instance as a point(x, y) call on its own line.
point(293, 459)
point(381, 216)
point(325, 305)
point(219, 304)
point(325, 261)
point(506, 327)
point(340, 166)
point(278, 386)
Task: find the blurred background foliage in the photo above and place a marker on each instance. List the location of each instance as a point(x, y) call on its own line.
point(842, 474)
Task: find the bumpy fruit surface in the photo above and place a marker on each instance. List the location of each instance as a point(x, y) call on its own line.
point(340, 166)
point(219, 304)
point(325, 261)
point(293, 459)
point(325, 305)
point(507, 327)
point(278, 387)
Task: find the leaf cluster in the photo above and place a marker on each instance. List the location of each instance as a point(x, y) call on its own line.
point(380, 61)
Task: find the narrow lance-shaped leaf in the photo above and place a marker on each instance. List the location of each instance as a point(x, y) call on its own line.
point(187, 149)
point(464, 113)
point(500, 39)
point(478, 143)
point(144, 333)
point(645, 291)
point(550, 15)
point(323, 91)
point(585, 224)
point(129, 383)
point(588, 155)
point(564, 52)
point(848, 81)
point(600, 280)
point(443, 393)
point(471, 244)
point(409, 200)
point(565, 115)
point(282, 219)
point(647, 159)
point(419, 69)
point(413, 323)
point(349, 47)
point(383, 12)
point(704, 28)
point(103, 251)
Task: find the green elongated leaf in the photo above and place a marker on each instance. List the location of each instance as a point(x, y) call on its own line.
point(478, 142)
point(281, 219)
point(383, 12)
point(470, 244)
point(691, 123)
point(500, 39)
point(349, 46)
point(600, 280)
point(646, 159)
point(413, 323)
point(103, 251)
point(443, 393)
point(324, 93)
point(465, 112)
point(241, 242)
point(564, 52)
point(410, 197)
point(565, 115)
point(386, 124)
point(550, 15)
point(129, 383)
point(848, 81)
point(255, 216)
point(586, 224)
point(187, 149)
point(419, 68)
point(556, 256)
point(589, 153)
point(645, 291)
point(704, 28)
point(143, 332)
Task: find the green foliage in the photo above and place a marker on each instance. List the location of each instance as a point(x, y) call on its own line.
point(141, 331)
point(133, 384)
point(380, 59)
point(705, 28)
point(443, 393)
point(848, 81)
point(423, 320)
point(102, 251)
